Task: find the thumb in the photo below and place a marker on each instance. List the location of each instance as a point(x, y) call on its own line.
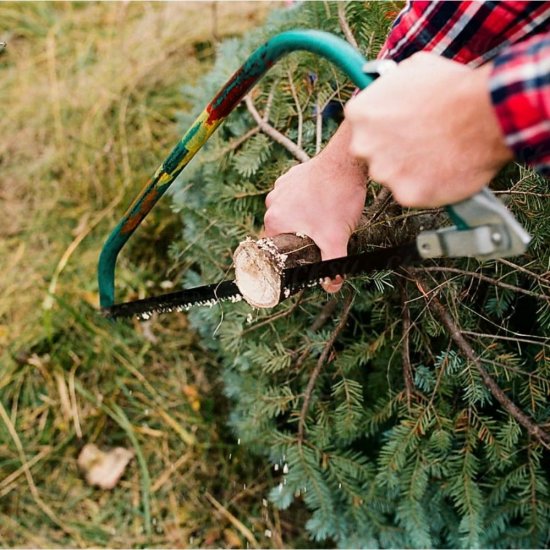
point(335, 248)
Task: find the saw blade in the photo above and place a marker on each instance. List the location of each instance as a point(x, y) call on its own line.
point(294, 279)
point(183, 300)
point(303, 276)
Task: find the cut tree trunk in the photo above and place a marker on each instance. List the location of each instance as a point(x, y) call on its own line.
point(259, 264)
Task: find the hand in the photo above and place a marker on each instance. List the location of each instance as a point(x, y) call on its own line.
point(322, 198)
point(428, 131)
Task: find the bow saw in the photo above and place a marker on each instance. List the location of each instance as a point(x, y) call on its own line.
point(484, 228)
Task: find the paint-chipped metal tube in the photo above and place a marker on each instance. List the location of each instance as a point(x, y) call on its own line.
point(336, 50)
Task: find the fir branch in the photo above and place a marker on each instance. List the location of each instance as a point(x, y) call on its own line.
point(348, 302)
point(235, 144)
point(345, 26)
point(481, 277)
point(297, 152)
point(456, 334)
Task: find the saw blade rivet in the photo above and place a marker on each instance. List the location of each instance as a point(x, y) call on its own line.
point(496, 237)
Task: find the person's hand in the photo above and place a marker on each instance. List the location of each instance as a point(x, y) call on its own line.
point(428, 131)
point(322, 198)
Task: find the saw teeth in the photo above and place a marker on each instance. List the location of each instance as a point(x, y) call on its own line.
point(146, 315)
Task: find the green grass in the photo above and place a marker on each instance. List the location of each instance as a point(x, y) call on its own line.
point(89, 98)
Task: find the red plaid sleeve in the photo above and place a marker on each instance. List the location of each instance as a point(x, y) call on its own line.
point(516, 35)
point(520, 92)
point(468, 32)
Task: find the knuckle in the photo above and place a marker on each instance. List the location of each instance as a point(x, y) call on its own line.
point(411, 194)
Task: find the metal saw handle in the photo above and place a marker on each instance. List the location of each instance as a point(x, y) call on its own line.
point(484, 228)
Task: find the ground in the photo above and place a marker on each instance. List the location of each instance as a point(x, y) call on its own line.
point(89, 98)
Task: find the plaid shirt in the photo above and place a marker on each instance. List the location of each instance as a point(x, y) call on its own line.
point(515, 36)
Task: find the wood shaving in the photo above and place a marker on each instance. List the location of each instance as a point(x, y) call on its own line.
point(103, 469)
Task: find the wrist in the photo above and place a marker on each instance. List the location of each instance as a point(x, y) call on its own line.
point(337, 160)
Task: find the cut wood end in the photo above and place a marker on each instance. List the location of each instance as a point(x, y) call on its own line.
point(258, 268)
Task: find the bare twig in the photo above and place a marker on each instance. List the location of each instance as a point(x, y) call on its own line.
point(482, 277)
point(541, 342)
point(405, 352)
point(456, 334)
point(344, 25)
point(318, 127)
point(320, 363)
point(280, 315)
point(298, 110)
point(239, 525)
point(536, 276)
point(297, 152)
point(324, 315)
point(527, 193)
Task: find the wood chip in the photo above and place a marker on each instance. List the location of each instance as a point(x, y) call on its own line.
point(103, 469)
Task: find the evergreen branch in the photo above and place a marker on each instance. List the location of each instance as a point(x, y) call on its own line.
point(345, 26)
point(515, 370)
point(269, 103)
point(297, 152)
point(456, 334)
point(348, 302)
point(482, 277)
point(235, 144)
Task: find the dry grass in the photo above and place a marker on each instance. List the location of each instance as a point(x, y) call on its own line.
point(88, 101)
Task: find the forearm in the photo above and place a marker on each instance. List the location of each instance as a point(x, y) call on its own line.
point(336, 157)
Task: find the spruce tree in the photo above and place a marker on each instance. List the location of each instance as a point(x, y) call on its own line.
point(410, 410)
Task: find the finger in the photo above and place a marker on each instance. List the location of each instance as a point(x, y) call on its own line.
point(332, 285)
point(335, 249)
point(269, 199)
